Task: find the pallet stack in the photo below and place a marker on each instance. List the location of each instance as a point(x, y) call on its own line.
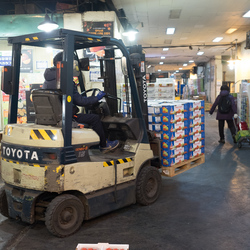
point(181, 127)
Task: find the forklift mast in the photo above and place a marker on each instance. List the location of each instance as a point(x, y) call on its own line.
point(137, 58)
point(110, 79)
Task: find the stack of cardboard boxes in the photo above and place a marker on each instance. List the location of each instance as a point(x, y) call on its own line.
point(180, 126)
point(161, 89)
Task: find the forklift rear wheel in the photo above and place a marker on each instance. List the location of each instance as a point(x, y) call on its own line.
point(3, 203)
point(239, 144)
point(148, 185)
point(64, 215)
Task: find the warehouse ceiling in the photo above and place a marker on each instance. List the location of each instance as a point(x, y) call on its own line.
point(197, 23)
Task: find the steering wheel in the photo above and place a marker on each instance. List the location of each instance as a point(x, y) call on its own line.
point(94, 90)
point(100, 108)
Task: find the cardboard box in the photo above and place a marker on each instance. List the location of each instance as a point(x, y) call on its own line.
point(196, 145)
point(178, 159)
point(179, 125)
point(165, 153)
point(178, 134)
point(155, 118)
point(165, 145)
point(196, 153)
point(196, 137)
point(179, 143)
point(102, 246)
point(196, 113)
point(178, 151)
point(196, 121)
point(196, 105)
point(197, 129)
point(159, 135)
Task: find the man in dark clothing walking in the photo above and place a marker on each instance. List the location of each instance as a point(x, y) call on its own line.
point(227, 115)
point(91, 119)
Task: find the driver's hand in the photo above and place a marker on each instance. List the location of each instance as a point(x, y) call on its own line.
point(100, 95)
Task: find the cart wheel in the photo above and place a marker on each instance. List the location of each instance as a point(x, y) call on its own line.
point(148, 185)
point(3, 203)
point(64, 215)
point(239, 144)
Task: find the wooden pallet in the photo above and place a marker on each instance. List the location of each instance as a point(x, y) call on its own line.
point(183, 166)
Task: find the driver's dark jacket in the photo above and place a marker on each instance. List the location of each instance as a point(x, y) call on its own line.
point(79, 100)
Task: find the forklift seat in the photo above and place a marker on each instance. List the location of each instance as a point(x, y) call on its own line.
point(48, 106)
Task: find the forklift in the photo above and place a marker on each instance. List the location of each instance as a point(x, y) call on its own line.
point(53, 171)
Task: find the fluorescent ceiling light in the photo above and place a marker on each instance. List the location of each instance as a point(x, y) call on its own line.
point(160, 62)
point(149, 66)
point(177, 70)
point(180, 68)
point(200, 53)
point(159, 69)
point(165, 49)
point(231, 30)
point(217, 39)
point(170, 31)
point(185, 64)
point(191, 61)
point(247, 14)
point(163, 57)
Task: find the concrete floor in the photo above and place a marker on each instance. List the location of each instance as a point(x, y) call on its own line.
point(207, 207)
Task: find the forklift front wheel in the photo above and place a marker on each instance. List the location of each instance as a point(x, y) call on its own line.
point(3, 203)
point(64, 215)
point(239, 144)
point(148, 186)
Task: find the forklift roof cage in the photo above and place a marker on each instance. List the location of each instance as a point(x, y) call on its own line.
point(65, 39)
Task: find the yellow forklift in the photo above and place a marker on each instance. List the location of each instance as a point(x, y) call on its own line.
point(55, 172)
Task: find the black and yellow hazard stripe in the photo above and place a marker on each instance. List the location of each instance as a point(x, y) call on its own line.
point(118, 161)
point(29, 39)
point(42, 134)
point(23, 163)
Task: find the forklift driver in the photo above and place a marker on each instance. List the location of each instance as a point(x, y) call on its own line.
point(91, 119)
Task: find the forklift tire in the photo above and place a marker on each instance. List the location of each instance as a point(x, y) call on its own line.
point(239, 144)
point(148, 185)
point(64, 215)
point(3, 203)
